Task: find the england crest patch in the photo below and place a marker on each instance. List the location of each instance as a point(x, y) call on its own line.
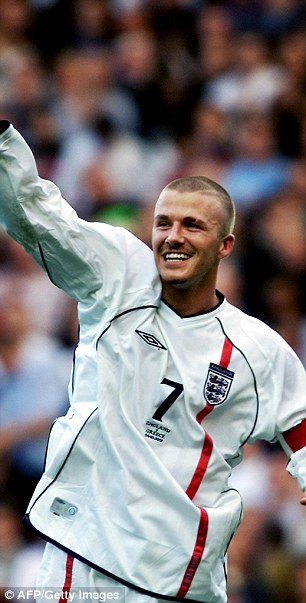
point(218, 384)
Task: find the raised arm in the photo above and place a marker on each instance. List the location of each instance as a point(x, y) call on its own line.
point(33, 212)
point(90, 261)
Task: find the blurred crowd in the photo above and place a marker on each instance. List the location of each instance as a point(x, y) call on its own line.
point(116, 98)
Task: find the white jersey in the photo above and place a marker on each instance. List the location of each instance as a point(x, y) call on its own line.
point(136, 477)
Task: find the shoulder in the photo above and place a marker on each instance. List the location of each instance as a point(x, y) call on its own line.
point(250, 333)
point(126, 263)
point(115, 246)
point(117, 235)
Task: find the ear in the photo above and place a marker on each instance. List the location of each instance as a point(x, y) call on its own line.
point(226, 246)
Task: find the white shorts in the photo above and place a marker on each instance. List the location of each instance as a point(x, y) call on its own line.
point(64, 572)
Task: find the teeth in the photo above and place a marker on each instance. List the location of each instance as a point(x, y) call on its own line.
point(175, 256)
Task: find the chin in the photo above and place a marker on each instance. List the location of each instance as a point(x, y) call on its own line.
point(179, 283)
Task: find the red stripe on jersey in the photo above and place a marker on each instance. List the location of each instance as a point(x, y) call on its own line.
point(68, 579)
point(296, 436)
point(196, 555)
point(196, 482)
point(226, 353)
point(204, 412)
point(201, 467)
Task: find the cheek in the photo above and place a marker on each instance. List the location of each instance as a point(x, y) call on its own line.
point(157, 242)
point(155, 248)
point(209, 257)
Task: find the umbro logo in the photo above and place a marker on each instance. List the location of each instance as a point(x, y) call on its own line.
point(150, 339)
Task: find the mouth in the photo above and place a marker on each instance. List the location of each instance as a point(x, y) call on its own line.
point(176, 256)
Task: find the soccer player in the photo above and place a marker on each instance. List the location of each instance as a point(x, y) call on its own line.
point(169, 382)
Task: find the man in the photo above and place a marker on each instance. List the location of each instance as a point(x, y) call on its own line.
point(169, 382)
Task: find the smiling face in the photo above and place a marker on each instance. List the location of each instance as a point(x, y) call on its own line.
point(188, 240)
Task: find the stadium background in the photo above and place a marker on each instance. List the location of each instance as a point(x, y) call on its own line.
point(117, 97)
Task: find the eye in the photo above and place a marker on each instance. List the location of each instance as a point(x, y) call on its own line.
point(192, 224)
point(161, 223)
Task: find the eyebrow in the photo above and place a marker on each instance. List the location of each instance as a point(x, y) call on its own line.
point(185, 219)
point(161, 216)
point(193, 219)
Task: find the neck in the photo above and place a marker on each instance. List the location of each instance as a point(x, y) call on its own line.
point(188, 302)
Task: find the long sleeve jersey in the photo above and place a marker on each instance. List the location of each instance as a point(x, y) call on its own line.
point(136, 477)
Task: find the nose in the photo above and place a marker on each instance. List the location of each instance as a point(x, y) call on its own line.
point(175, 235)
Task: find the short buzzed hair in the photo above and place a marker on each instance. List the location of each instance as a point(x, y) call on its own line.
point(201, 184)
